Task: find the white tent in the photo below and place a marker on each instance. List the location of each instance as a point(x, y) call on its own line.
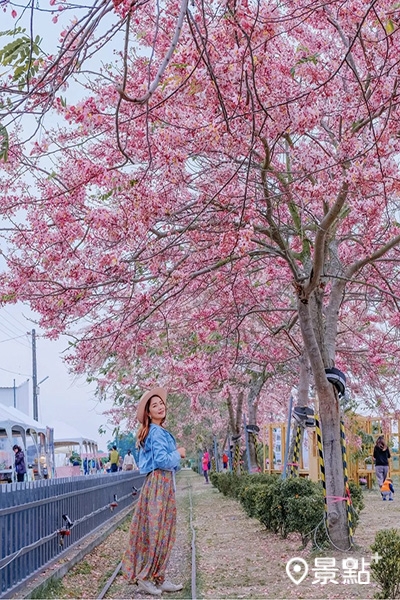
point(16, 424)
point(67, 439)
point(14, 419)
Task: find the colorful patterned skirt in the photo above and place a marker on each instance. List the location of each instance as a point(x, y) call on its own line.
point(152, 532)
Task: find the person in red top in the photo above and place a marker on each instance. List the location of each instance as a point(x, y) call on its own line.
point(225, 460)
point(205, 465)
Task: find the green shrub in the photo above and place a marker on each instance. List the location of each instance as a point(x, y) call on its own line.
point(305, 515)
point(357, 501)
point(239, 482)
point(222, 481)
point(248, 497)
point(268, 509)
point(292, 505)
point(386, 571)
point(357, 496)
point(256, 478)
point(229, 483)
point(214, 478)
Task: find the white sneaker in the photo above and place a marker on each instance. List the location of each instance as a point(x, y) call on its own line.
point(167, 586)
point(148, 587)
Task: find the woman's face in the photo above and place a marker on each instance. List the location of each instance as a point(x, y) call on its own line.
point(157, 410)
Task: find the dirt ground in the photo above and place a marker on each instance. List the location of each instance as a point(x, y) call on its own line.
point(236, 557)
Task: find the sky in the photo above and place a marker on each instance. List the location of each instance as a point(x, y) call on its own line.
point(62, 397)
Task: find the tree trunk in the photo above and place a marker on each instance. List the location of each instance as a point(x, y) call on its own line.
point(235, 425)
point(257, 382)
point(252, 438)
point(329, 411)
point(302, 400)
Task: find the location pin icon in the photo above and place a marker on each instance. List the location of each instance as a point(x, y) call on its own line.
point(296, 569)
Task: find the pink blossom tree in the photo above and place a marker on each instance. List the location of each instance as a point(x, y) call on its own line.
point(238, 146)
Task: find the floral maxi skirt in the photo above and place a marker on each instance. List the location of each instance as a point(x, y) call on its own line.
point(152, 531)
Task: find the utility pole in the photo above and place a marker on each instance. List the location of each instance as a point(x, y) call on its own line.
point(34, 378)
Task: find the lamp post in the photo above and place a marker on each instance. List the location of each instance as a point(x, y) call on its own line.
point(36, 397)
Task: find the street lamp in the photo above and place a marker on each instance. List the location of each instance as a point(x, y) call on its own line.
point(41, 381)
point(36, 398)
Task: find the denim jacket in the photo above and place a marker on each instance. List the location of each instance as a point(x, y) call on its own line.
point(159, 451)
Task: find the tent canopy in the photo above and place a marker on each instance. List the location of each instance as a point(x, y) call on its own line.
point(14, 424)
point(66, 438)
point(67, 435)
point(12, 418)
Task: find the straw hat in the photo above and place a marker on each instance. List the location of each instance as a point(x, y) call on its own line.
point(157, 391)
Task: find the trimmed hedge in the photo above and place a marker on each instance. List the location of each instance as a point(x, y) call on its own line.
point(386, 571)
point(293, 505)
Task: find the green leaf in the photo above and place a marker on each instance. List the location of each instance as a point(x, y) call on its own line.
point(4, 143)
point(180, 65)
point(7, 298)
point(20, 55)
point(13, 31)
point(389, 26)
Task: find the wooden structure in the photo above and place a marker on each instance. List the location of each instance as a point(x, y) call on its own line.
point(360, 464)
point(273, 439)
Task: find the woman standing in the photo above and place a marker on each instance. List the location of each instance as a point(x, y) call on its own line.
point(152, 532)
point(20, 466)
point(205, 464)
point(381, 457)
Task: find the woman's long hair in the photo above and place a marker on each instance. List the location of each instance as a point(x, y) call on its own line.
point(145, 426)
point(380, 442)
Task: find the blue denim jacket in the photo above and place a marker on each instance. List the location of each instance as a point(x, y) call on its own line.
point(159, 451)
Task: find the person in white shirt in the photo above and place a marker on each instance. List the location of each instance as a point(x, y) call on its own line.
point(129, 462)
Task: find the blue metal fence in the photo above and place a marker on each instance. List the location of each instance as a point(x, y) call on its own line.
point(31, 518)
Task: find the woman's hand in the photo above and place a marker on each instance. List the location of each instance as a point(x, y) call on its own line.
point(182, 452)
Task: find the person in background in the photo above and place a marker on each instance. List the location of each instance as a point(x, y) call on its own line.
point(120, 463)
point(225, 460)
point(205, 461)
point(85, 466)
point(19, 461)
point(387, 489)
point(113, 458)
point(153, 527)
point(381, 458)
point(129, 462)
